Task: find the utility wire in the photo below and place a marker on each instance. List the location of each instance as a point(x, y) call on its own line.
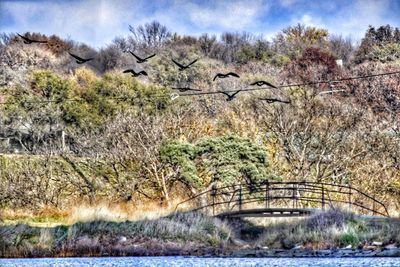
point(297, 84)
point(175, 95)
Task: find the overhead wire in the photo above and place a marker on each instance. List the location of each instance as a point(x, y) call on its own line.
point(176, 95)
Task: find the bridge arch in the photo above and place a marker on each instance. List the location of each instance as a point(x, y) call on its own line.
point(282, 199)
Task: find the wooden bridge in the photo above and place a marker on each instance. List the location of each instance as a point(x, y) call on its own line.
point(282, 199)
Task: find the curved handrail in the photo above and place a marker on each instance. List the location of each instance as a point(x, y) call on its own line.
point(246, 194)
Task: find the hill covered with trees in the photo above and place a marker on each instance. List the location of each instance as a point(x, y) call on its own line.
point(73, 134)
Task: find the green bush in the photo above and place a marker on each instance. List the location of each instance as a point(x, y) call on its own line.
point(385, 53)
point(227, 159)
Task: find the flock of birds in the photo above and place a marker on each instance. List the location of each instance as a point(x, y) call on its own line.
point(182, 67)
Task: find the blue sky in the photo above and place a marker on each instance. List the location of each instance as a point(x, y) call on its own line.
point(98, 22)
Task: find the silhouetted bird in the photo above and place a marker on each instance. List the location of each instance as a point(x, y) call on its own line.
point(230, 97)
point(80, 60)
point(184, 89)
point(183, 67)
point(221, 75)
point(29, 41)
point(134, 73)
point(261, 83)
point(273, 100)
point(139, 59)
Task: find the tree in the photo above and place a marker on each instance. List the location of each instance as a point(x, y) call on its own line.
point(225, 161)
point(293, 40)
point(207, 43)
point(314, 64)
point(375, 39)
point(152, 34)
point(341, 47)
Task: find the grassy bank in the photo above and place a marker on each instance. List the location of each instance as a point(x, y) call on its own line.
point(329, 230)
point(197, 234)
point(184, 233)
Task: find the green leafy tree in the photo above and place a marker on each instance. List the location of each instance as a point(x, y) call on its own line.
point(226, 160)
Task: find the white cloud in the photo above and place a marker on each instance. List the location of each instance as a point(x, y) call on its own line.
point(309, 20)
point(237, 15)
point(92, 21)
point(355, 19)
point(97, 22)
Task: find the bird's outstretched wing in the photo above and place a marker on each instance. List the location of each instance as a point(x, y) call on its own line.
point(233, 74)
point(254, 83)
point(150, 56)
point(235, 93)
point(25, 38)
point(269, 84)
point(191, 63)
point(225, 93)
point(261, 83)
point(129, 71)
point(178, 64)
point(143, 73)
point(216, 76)
point(183, 89)
point(75, 56)
point(137, 57)
point(272, 100)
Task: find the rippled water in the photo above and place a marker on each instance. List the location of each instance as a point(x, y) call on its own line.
point(196, 261)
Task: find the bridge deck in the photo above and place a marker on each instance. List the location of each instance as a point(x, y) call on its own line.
point(269, 212)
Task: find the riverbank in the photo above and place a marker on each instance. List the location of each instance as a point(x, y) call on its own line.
point(302, 252)
point(328, 234)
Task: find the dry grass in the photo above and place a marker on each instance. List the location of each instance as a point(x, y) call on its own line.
point(333, 228)
point(96, 237)
point(84, 212)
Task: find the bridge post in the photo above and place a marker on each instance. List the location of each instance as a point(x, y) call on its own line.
point(350, 206)
point(294, 195)
point(213, 194)
point(323, 197)
point(267, 194)
point(240, 196)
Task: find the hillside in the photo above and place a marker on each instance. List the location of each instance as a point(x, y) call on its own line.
point(80, 134)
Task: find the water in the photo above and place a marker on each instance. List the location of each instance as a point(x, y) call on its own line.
point(196, 261)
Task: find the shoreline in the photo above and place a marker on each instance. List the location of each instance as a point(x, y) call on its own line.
point(309, 253)
point(329, 234)
point(162, 251)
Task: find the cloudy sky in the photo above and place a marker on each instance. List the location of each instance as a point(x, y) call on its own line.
point(97, 22)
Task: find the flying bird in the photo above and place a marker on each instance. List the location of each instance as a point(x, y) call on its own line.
point(30, 41)
point(261, 83)
point(136, 74)
point(183, 67)
point(273, 100)
point(80, 60)
point(139, 59)
point(221, 75)
point(230, 97)
point(184, 89)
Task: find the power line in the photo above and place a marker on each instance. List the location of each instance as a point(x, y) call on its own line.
point(297, 84)
point(176, 95)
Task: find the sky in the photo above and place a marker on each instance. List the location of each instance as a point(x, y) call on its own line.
point(98, 22)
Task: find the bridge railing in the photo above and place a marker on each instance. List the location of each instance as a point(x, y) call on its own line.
point(284, 194)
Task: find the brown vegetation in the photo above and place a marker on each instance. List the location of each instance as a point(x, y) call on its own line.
point(73, 135)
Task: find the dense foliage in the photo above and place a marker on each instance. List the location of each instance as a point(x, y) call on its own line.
point(70, 133)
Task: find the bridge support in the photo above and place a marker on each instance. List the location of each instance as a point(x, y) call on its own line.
point(267, 195)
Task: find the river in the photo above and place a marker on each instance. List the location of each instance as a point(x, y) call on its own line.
point(197, 261)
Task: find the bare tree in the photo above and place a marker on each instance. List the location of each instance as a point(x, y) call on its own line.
point(152, 34)
point(341, 47)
